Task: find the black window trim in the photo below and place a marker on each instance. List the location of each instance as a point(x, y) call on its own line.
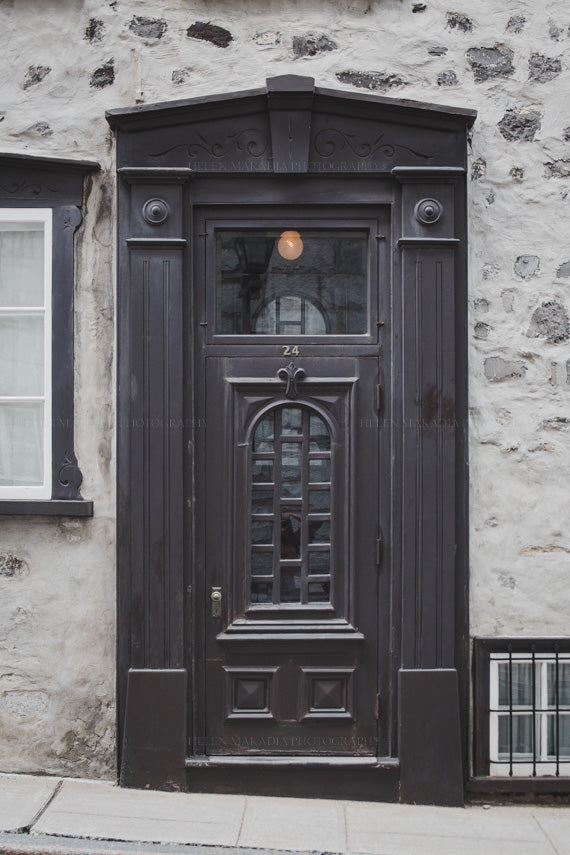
point(41, 182)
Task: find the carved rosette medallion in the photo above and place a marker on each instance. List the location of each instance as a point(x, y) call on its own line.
point(155, 211)
point(428, 211)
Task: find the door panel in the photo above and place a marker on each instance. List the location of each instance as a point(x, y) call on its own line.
point(287, 368)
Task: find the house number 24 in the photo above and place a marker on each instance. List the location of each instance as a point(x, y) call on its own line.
point(289, 350)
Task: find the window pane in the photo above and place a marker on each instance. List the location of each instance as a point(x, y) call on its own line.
point(319, 501)
point(290, 534)
point(319, 562)
point(262, 471)
point(291, 469)
point(522, 736)
point(292, 419)
point(262, 563)
point(319, 531)
point(21, 265)
point(263, 436)
point(261, 532)
point(323, 290)
point(319, 437)
point(290, 584)
point(262, 502)
point(319, 592)
point(319, 470)
point(563, 684)
point(521, 684)
point(563, 736)
point(22, 446)
point(261, 592)
point(21, 355)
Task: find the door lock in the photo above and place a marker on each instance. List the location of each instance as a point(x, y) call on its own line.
point(216, 598)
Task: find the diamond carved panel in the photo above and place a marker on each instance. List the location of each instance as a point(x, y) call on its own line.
point(250, 692)
point(328, 692)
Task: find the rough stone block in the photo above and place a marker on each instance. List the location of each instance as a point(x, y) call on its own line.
point(519, 125)
point(457, 21)
point(311, 45)
point(557, 168)
point(516, 24)
point(104, 75)
point(374, 80)
point(148, 28)
point(498, 369)
point(543, 68)
point(447, 78)
point(210, 33)
point(526, 266)
point(94, 31)
point(489, 62)
point(550, 321)
point(35, 74)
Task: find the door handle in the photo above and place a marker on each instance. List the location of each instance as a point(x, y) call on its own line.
point(216, 598)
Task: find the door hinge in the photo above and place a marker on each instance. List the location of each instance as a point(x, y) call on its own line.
point(379, 549)
point(378, 401)
point(377, 708)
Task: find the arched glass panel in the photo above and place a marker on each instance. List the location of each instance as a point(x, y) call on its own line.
point(290, 509)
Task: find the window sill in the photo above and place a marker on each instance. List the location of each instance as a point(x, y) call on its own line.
point(50, 508)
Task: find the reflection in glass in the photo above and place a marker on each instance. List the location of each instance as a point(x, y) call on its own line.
point(291, 420)
point(261, 532)
point(320, 470)
point(521, 684)
point(261, 592)
point(304, 511)
point(262, 563)
point(319, 562)
point(262, 501)
point(563, 736)
point(563, 684)
point(291, 455)
point(290, 533)
point(319, 501)
point(319, 437)
point(319, 531)
point(322, 292)
point(262, 471)
point(263, 436)
point(290, 584)
point(319, 592)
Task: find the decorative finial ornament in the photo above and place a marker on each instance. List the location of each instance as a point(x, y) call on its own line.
point(291, 375)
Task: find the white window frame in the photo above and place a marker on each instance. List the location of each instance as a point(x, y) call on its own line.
point(545, 765)
point(43, 217)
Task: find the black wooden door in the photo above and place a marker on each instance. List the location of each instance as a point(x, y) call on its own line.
point(287, 466)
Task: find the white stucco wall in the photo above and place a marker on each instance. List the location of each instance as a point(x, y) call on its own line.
point(57, 637)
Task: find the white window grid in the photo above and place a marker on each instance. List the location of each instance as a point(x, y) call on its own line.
point(538, 761)
point(43, 218)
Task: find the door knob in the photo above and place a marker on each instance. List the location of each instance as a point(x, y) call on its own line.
point(216, 598)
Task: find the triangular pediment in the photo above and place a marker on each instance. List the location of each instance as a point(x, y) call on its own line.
point(292, 126)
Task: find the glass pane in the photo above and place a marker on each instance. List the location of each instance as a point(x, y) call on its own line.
point(21, 265)
point(21, 354)
point(318, 434)
point(262, 563)
point(263, 436)
point(319, 562)
point(563, 684)
point(290, 534)
point(291, 420)
point(522, 736)
point(319, 531)
point(320, 288)
point(319, 501)
point(262, 502)
point(291, 453)
point(290, 584)
point(22, 446)
point(563, 736)
point(262, 471)
point(261, 592)
point(320, 470)
point(319, 592)
point(521, 684)
point(261, 532)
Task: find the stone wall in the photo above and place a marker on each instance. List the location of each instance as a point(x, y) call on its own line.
point(63, 66)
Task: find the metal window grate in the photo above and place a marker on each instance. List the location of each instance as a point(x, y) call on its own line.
point(529, 711)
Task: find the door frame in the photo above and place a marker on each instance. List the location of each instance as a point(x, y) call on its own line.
point(330, 147)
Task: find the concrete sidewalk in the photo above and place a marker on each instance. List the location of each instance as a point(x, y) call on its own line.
point(43, 810)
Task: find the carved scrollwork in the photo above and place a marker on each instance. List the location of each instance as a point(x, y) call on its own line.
point(331, 141)
point(155, 211)
point(291, 374)
point(69, 474)
point(25, 188)
point(249, 140)
point(428, 211)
